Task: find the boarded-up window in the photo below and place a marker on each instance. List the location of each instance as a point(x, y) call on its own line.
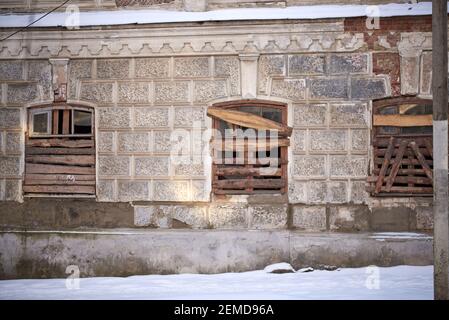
point(402, 147)
point(60, 151)
point(249, 147)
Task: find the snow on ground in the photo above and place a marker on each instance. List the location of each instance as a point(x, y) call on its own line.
point(401, 282)
point(139, 16)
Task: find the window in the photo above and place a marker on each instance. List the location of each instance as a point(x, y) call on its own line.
point(402, 147)
point(249, 147)
point(60, 151)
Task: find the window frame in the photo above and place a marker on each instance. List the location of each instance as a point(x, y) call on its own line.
point(283, 156)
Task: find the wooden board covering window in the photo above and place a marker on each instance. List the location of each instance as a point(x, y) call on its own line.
point(60, 163)
point(240, 176)
point(402, 148)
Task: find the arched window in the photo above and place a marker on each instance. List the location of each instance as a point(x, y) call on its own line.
point(402, 147)
point(60, 151)
point(249, 147)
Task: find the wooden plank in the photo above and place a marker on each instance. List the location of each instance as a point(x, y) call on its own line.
point(66, 122)
point(248, 120)
point(50, 150)
point(59, 189)
point(384, 141)
point(250, 144)
point(80, 160)
point(385, 164)
point(422, 190)
point(409, 161)
point(401, 120)
point(245, 183)
point(422, 160)
point(65, 143)
point(429, 147)
point(59, 182)
point(381, 152)
point(50, 169)
point(243, 171)
point(242, 161)
point(55, 122)
point(396, 164)
point(404, 179)
point(60, 177)
point(404, 171)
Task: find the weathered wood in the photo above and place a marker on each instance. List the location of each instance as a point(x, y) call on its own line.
point(60, 189)
point(412, 162)
point(242, 161)
point(385, 164)
point(81, 143)
point(396, 164)
point(383, 142)
point(248, 120)
point(50, 169)
point(408, 190)
point(242, 171)
point(50, 150)
point(408, 151)
point(403, 179)
point(404, 171)
point(249, 144)
point(245, 183)
point(422, 160)
point(429, 147)
point(66, 122)
point(55, 122)
point(59, 182)
point(60, 177)
point(400, 120)
point(79, 160)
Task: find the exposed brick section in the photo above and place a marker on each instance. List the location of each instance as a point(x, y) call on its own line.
point(390, 28)
point(389, 63)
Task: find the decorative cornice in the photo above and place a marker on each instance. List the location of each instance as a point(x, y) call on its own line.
point(277, 38)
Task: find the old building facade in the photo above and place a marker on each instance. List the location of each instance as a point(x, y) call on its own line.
point(137, 85)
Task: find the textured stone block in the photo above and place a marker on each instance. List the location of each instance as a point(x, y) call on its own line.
point(187, 116)
point(143, 216)
point(13, 142)
point(297, 191)
point(348, 63)
point(350, 166)
point(268, 216)
point(328, 140)
point(162, 141)
point(112, 68)
point(9, 166)
point(426, 73)
point(78, 69)
point(305, 64)
point(176, 91)
point(424, 218)
point(348, 218)
point(133, 190)
point(114, 117)
point(150, 117)
point(309, 114)
point(299, 140)
point(192, 217)
point(368, 88)
point(191, 67)
point(22, 92)
point(334, 88)
point(152, 67)
point(229, 67)
point(105, 141)
point(11, 70)
point(100, 92)
point(358, 192)
point(270, 65)
point(200, 190)
point(409, 75)
point(228, 216)
point(293, 89)
point(359, 140)
point(348, 115)
point(133, 92)
point(206, 90)
point(40, 71)
point(317, 192)
point(9, 118)
point(105, 190)
point(113, 165)
point(309, 166)
point(152, 166)
point(337, 192)
point(133, 142)
point(310, 218)
point(388, 63)
point(189, 169)
point(13, 189)
point(171, 190)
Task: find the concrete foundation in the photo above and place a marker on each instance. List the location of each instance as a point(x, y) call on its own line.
point(124, 252)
